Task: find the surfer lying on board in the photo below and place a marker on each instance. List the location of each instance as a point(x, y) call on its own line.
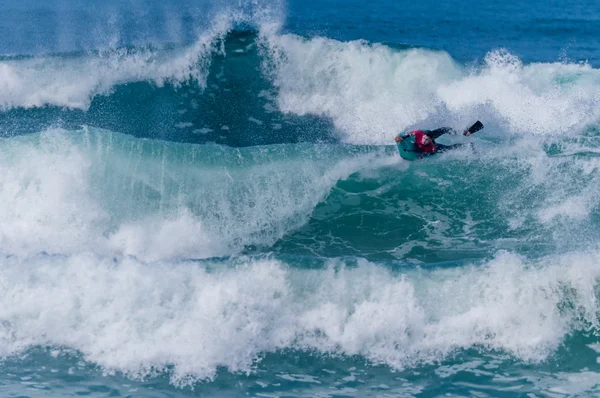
point(425, 139)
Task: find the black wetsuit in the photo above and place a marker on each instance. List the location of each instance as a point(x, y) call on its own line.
point(439, 148)
point(433, 134)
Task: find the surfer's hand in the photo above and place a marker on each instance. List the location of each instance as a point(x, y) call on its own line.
point(398, 138)
point(467, 133)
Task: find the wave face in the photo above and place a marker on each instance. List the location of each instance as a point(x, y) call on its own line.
point(206, 198)
point(93, 190)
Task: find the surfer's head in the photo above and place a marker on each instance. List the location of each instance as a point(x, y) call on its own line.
point(424, 142)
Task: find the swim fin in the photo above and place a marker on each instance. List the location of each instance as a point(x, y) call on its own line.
point(474, 128)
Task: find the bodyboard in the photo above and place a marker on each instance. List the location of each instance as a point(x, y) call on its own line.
point(408, 149)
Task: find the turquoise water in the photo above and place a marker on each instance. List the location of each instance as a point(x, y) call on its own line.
point(204, 199)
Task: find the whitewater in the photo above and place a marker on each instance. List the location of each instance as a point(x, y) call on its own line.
point(206, 200)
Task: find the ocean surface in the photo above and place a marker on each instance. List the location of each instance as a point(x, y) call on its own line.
point(203, 198)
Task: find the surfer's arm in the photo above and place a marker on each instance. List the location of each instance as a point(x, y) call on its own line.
point(399, 137)
point(441, 131)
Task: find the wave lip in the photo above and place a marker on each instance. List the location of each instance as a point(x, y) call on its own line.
point(72, 81)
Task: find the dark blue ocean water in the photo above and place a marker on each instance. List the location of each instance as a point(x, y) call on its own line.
point(203, 198)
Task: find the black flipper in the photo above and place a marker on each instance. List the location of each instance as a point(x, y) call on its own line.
point(474, 128)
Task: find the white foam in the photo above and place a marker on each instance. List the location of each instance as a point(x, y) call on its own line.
point(180, 237)
point(44, 191)
point(371, 92)
point(561, 189)
point(570, 384)
point(204, 130)
point(140, 318)
point(93, 190)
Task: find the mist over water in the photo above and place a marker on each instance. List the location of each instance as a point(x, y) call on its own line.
point(204, 199)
